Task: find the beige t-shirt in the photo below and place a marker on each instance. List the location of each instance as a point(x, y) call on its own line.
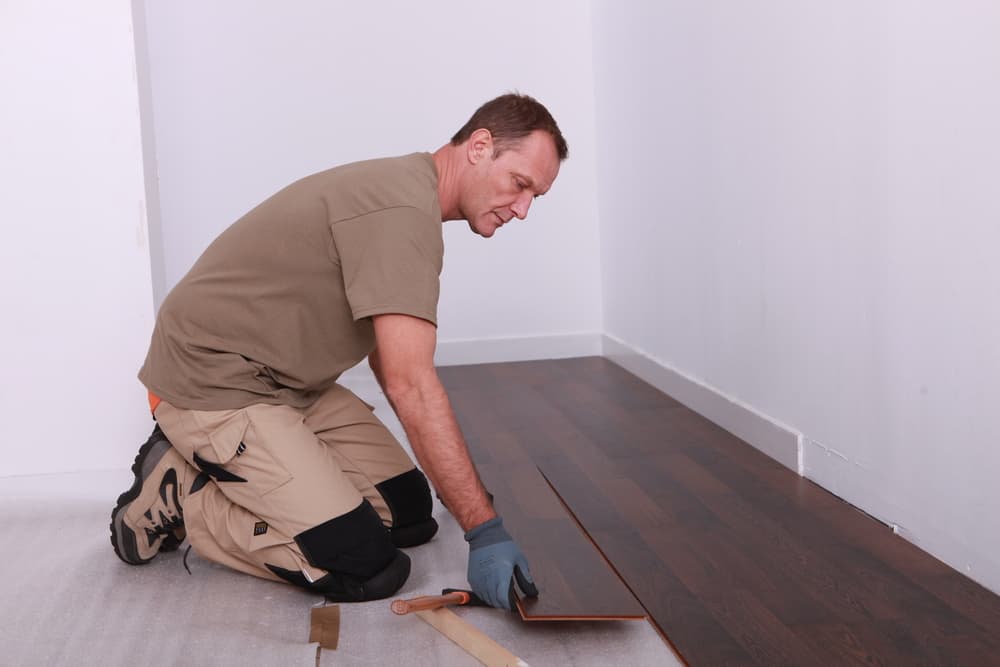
point(280, 304)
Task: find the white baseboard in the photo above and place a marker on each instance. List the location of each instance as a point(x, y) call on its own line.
point(496, 350)
point(777, 440)
point(499, 350)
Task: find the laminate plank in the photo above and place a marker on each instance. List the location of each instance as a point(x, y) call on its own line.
point(869, 562)
point(966, 598)
point(687, 512)
point(896, 597)
point(681, 617)
point(790, 604)
point(574, 581)
point(675, 595)
point(759, 632)
point(808, 587)
point(850, 644)
point(594, 510)
point(938, 629)
point(602, 510)
point(800, 563)
point(763, 636)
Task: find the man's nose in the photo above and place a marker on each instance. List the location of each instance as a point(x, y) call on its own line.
point(521, 205)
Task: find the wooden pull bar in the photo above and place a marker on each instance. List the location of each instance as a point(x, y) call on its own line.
point(470, 638)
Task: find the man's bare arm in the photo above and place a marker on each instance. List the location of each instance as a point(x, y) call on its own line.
point(403, 363)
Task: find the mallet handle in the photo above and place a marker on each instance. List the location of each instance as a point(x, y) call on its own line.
point(428, 602)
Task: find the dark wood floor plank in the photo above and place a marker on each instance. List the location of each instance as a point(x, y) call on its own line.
point(574, 580)
point(759, 632)
point(910, 611)
point(681, 617)
point(966, 598)
point(857, 644)
point(728, 599)
point(802, 564)
point(769, 583)
point(661, 592)
point(883, 580)
point(737, 559)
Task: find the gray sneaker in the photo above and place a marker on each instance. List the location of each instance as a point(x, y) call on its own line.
point(148, 518)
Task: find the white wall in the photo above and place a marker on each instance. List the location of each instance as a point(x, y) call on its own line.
point(74, 263)
point(249, 96)
point(799, 211)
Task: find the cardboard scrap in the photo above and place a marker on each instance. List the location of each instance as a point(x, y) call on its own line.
point(324, 626)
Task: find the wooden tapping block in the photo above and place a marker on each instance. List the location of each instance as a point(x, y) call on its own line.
point(470, 639)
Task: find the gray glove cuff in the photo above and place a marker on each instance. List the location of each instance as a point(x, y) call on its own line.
point(487, 533)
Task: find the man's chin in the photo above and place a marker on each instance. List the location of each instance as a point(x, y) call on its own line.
point(485, 233)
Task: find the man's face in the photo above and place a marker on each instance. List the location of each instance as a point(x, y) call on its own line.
point(503, 187)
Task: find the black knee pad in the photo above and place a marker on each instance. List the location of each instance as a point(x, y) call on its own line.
point(356, 543)
point(409, 499)
point(412, 535)
point(358, 554)
point(339, 587)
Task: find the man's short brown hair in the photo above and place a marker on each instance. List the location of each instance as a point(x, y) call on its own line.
point(511, 117)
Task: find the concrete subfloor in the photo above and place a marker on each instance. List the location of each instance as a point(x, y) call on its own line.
point(70, 601)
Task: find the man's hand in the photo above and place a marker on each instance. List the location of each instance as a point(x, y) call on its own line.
point(495, 562)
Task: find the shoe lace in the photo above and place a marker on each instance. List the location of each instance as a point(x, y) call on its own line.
point(167, 525)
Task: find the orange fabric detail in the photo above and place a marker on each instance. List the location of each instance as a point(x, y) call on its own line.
point(154, 401)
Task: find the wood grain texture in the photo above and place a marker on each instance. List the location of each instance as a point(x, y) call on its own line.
point(470, 638)
point(574, 581)
point(736, 559)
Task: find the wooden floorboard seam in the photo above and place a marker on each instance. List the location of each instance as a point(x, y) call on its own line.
point(573, 577)
point(611, 565)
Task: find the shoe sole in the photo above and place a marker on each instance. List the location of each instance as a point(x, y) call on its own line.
point(122, 537)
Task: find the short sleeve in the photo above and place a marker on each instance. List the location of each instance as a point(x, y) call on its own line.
point(391, 262)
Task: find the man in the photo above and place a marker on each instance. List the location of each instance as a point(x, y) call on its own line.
point(259, 457)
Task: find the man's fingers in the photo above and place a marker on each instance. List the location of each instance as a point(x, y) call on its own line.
point(524, 581)
point(511, 596)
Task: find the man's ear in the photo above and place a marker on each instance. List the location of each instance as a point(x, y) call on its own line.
point(480, 145)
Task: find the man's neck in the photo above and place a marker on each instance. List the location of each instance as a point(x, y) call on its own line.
point(446, 161)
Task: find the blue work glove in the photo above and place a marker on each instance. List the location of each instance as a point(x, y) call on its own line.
point(495, 561)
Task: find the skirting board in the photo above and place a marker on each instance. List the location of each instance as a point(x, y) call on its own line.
point(769, 436)
point(501, 350)
point(527, 348)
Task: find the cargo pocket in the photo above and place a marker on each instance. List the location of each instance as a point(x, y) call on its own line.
point(281, 556)
point(232, 457)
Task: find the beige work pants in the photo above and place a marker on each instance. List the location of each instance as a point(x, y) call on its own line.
point(277, 472)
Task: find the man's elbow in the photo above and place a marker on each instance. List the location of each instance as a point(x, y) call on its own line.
point(404, 387)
